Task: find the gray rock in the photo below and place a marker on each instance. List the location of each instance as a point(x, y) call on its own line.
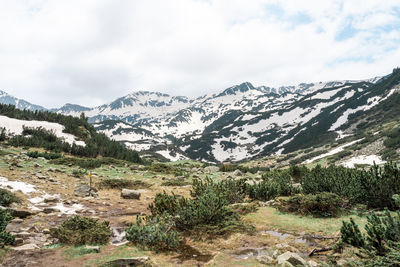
point(85, 191)
point(211, 169)
point(26, 247)
point(51, 199)
point(292, 258)
point(135, 261)
point(18, 241)
point(237, 173)
point(50, 210)
point(265, 259)
point(130, 194)
point(93, 248)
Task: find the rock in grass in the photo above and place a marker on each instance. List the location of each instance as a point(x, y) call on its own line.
point(92, 248)
point(130, 194)
point(135, 261)
point(85, 191)
point(293, 258)
point(26, 247)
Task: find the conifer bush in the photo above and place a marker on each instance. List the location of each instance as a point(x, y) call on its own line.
point(77, 230)
point(319, 205)
point(5, 237)
point(7, 198)
point(156, 233)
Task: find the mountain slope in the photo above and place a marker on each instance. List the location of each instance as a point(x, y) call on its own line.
point(241, 122)
point(19, 103)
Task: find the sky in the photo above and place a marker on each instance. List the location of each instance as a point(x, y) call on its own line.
point(90, 52)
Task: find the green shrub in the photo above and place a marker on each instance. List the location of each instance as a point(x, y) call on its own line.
point(79, 173)
point(208, 212)
point(382, 233)
point(157, 233)
point(374, 188)
point(77, 230)
point(7, 198)
point(49, 156)
point(232, 190)
point(320, 205)
point(123, 183)
point(274, 184)
point(5, 237)
point(175, 182)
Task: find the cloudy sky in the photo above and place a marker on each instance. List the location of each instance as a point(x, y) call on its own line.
point(91, 51)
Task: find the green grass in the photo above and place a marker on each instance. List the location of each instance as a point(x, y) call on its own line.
point(72, 252)
point(270, 218)
point(120, 252)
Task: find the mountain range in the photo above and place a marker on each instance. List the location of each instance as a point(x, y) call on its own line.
point(239, 123)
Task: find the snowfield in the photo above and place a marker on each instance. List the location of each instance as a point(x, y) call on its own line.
point(15, 127)
point(369, 160)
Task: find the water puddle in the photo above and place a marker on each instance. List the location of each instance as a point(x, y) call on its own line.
point(190, 253)
point(307, 240)
point(250, 253)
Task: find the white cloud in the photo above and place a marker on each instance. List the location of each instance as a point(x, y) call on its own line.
point(92, 51)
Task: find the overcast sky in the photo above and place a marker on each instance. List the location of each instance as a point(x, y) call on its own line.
point(90, 52)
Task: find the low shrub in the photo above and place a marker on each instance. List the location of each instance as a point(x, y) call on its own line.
point(232, 190)
point(77, 230)
point(5, 237)
point(275, 183)
point(175, 182)
point(46, 155)
point(157, 233)
point(7, 198)
point(122, 183)
point(79, 173)
point(318, 205)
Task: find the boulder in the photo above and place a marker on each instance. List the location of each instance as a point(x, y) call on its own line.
point(265, 259)
point(134, 261)
point(293, 258)
point(26, 247)
point(51, 199)
point(237, 173)
point(21, 213)
point(93, 248)
point(130, 194)
point(85, 191)
point(211, 169)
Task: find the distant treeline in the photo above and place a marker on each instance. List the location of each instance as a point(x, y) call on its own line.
point(97, 144)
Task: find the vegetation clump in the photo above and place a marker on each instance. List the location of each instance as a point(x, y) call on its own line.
point(7, 198)
point(275, 183)
point(77, 230)
point(46, 155)
point(374, 187)
point(5, 237)
point(122, 183)
point(156, 233)
point(379, 243)
point(319, 205)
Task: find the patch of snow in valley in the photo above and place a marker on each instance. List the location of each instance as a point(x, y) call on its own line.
point(326, 95)
point(17, 186)
point(15, 127)
point(369, 160)
point(167, 154)
point(332, 152)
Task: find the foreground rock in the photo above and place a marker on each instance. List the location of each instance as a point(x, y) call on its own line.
point(291, 259)
point(130, 194)
point(26, 247)
point(85, 191)
point(135, 261)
